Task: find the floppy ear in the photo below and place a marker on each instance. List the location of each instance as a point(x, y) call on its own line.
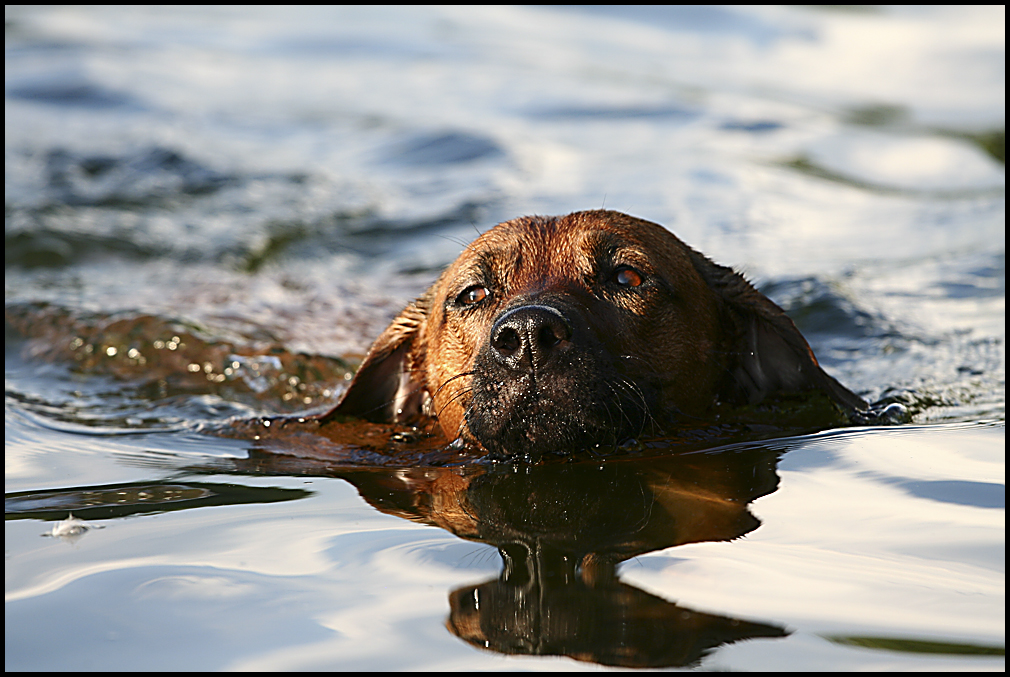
point(768, 354)
point(389, 384)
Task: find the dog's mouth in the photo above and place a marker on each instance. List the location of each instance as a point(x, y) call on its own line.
point(541, 386)
point(514, 418)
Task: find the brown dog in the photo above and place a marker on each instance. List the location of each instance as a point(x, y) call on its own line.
point(558, 333)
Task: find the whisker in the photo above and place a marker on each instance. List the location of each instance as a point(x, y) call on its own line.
point(461, 242)
point(620, 408)
point(638, 398)
point(450, 380)
point(452, 399)
point(462, 421)
point(650, 368)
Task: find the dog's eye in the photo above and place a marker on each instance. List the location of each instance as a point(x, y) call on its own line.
point(628, 277)
point(472, 295)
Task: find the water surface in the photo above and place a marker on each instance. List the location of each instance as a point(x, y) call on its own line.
point(211, 213)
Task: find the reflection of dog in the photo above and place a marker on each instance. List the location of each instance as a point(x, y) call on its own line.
point(562, 529)
point(554, 334)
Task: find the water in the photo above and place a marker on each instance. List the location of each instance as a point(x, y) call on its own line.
point(211, 212)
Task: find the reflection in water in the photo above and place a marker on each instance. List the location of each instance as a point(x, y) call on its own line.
point(920, 646)
point(561, 530)
point(546, 613)
point(209, 213)
point(111, 501)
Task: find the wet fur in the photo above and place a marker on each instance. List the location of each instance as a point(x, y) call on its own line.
point(597, 361)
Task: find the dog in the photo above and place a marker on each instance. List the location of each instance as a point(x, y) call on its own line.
point(554, 334)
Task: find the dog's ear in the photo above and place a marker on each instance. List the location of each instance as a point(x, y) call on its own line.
point(389, 384)
point(768, 354)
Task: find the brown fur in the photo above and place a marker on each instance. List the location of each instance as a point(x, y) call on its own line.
point(566, 350)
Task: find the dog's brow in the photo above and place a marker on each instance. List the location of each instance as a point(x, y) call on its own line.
point(493, 264)
point(607, 246)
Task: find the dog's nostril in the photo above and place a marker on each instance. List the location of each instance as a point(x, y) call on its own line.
point(551, 335)
point(507, 342)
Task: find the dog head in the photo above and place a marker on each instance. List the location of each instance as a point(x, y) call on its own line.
point(558, 333)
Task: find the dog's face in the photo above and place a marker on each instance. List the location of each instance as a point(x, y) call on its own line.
point(554, 334)
point(561, 333)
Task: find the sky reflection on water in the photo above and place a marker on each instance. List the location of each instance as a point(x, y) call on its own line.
point(205, 187)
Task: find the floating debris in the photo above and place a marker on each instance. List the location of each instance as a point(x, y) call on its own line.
point(71, 528)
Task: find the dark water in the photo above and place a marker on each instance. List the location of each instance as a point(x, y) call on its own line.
point(211, 212)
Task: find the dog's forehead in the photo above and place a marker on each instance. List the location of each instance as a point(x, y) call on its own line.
point(575, 242)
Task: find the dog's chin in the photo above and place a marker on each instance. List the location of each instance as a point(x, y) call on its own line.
point(533, 426)
point(532, 435)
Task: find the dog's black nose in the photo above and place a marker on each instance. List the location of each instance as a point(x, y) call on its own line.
point(528, 337)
